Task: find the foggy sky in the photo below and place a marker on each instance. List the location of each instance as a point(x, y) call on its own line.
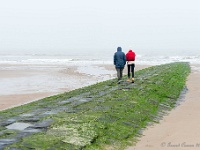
point(33, 25)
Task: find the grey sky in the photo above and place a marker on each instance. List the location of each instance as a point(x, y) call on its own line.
point(104, 24)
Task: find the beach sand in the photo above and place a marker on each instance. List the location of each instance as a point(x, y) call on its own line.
point(179, 130)
point(21, 84)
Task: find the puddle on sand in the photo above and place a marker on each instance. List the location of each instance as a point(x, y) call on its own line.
point(18, 126)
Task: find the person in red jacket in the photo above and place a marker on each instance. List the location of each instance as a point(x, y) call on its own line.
point(130, 58)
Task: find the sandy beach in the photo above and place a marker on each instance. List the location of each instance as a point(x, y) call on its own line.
point(179, 130)
point(24, 83)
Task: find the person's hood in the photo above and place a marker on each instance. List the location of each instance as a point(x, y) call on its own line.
point(119, 49)
point(130, 50)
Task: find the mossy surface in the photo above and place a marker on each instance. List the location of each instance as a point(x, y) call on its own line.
point(102, 116)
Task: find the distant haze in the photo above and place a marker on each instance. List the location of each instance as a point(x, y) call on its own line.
point(29, 26)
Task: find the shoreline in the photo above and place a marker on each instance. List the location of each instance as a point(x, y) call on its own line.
point(179, 128)
point(62, 79)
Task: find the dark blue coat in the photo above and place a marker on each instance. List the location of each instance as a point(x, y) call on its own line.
point(119, 58)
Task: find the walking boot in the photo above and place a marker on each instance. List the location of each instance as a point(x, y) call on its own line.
point(132, 80)
point(128, 80)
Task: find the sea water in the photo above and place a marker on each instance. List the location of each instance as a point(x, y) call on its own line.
point(88, 63)
point(154, 57)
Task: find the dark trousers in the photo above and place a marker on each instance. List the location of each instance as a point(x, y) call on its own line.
point(131, 68)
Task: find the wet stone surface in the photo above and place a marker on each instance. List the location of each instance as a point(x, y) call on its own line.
point(27, 115)
point(18, 126)
point(7, 122)
point(32, 119)
point(5, 142)
point(43, 124)
point(51, 112)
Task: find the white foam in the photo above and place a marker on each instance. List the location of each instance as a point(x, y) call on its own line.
point(87, 60)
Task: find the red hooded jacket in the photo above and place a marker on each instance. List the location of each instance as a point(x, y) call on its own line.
point(130, 56)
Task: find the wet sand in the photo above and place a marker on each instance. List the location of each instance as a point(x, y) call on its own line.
point(21, 84)
point(9, 101)
point(179, 130)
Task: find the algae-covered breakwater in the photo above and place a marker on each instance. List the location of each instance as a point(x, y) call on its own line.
point(101, 116)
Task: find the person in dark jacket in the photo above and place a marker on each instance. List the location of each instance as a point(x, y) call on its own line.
point(130, 58)
point(119, 62)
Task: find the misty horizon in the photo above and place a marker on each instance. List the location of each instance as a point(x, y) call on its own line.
point(37, 26)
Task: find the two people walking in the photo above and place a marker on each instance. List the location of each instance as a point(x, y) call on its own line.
point(120, 60)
